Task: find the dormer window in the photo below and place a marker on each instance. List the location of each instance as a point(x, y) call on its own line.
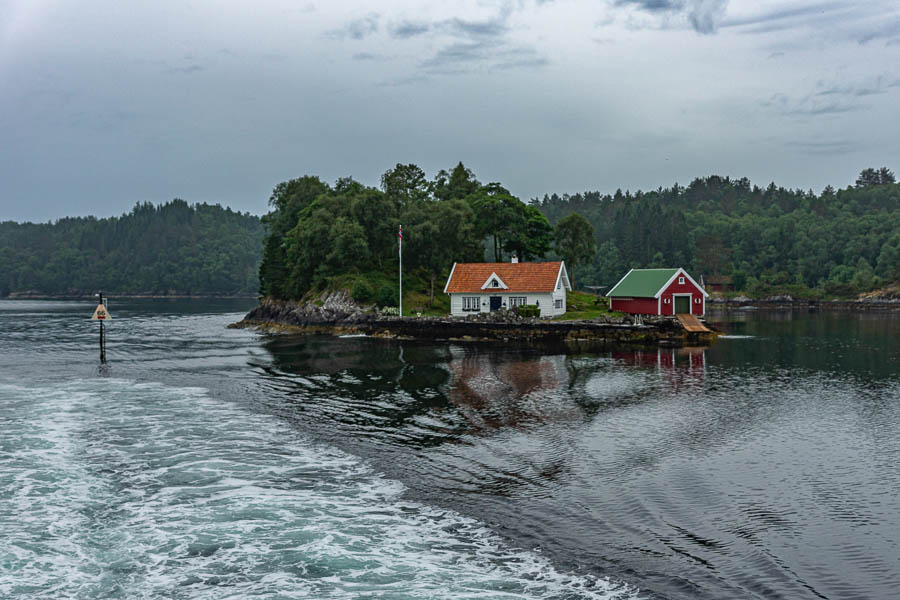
point(495, 283)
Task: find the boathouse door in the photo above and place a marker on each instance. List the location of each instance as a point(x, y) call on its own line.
point(682, 305)
point(495, 302)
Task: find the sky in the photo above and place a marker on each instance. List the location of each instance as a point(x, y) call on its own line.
point(104, 104)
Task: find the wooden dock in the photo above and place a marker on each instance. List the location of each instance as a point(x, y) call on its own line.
point(692, 324)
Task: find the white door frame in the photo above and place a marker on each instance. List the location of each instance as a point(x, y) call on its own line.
point(690, 303)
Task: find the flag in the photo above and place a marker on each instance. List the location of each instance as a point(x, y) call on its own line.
point(400, 239)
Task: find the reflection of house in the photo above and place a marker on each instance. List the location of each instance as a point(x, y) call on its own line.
point(658, 292)
point(683, 368)
point(483, 287)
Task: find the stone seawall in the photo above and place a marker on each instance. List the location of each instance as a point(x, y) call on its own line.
point(334, 315)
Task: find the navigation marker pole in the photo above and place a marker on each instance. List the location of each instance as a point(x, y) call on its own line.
point(101, 314)
point(400, 251)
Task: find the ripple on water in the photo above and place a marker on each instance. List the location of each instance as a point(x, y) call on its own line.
point(117, 489)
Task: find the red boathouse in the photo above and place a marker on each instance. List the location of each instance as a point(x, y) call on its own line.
point(658, 292)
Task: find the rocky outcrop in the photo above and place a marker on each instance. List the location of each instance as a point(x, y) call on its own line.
point(337, 314)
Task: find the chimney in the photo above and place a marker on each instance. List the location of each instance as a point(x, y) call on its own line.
point(515, 259)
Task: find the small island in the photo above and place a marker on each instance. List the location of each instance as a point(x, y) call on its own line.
point(332, 264)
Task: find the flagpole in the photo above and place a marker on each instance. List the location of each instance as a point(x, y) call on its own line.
point(400, 247)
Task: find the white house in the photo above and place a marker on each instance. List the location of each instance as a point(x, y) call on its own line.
point(483, 287)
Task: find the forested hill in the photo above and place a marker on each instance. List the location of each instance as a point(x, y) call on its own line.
point(172, 248)
point(839, 242)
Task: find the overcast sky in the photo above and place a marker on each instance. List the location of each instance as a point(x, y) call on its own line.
point(105, 104)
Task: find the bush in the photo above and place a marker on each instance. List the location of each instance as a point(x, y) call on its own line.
point(362, 292)
point(529, 310)
point(390, 311)
point(387, 296)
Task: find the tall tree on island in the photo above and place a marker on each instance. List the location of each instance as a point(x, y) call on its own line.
point(406, 185)
point(575, 242)
point(439, 234)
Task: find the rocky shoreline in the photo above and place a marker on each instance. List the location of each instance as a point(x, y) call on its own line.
point(336, 314)
point(880, 304)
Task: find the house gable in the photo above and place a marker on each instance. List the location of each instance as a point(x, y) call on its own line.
point(563, 277)
point(494, 282)
point(675, 276)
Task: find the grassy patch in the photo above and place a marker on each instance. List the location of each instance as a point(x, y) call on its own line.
point(584, 305)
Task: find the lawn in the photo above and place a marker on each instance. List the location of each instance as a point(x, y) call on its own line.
point(584, 305)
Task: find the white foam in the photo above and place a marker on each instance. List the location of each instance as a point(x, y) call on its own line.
point(141, 490)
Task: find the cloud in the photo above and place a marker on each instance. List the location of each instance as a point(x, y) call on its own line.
point(408, 29)
point(187, 69)
point(835, 21)
point(475, 43)
point(870, 87)
point(357, 29)
point(829, 98)
point(825, 147)
point(786, 18)
point(889, 30)
point(704, 16)
point(494, 27)
point(809, 105)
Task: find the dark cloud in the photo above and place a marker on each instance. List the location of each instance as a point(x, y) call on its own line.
point(879, 85)
point(481, 43)
point(364, 56)
point(788, 17)
point(478, 29)
point(889, 31)
point(862, 23)
point(358, 29)
point(703, 15)
point(653, 5)
point(829, 99)
point(188, 69)
point(408, 29)
point(450, 58)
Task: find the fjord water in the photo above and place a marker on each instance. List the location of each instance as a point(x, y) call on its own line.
point(203, 462)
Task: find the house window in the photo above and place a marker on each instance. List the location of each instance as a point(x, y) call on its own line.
point(681, 280)
point(557, 303)
point(517, 301)
point(495, 283)
point(471, 303)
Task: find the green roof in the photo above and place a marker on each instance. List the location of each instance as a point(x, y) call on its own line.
point(642, 283)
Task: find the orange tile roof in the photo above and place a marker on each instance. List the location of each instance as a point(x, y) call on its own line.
point(520, 277)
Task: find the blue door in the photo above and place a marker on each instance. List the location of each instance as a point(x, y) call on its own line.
point(495, 302)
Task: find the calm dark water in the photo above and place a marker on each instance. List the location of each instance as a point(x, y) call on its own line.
point(205, 462)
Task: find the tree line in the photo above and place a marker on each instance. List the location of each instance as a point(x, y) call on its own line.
point(317, 231)
point(767, 240)
point(172, 248)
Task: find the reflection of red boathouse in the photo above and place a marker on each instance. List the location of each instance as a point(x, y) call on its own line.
point(679, 366)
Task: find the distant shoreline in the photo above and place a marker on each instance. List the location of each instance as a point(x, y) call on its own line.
point(37, 296)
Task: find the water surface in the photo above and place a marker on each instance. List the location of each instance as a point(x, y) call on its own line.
point(205, 462)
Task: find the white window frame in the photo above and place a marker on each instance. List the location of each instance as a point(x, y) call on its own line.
point(681, 281)
point(558, 303)
point(471, 303)
point(517, 301)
